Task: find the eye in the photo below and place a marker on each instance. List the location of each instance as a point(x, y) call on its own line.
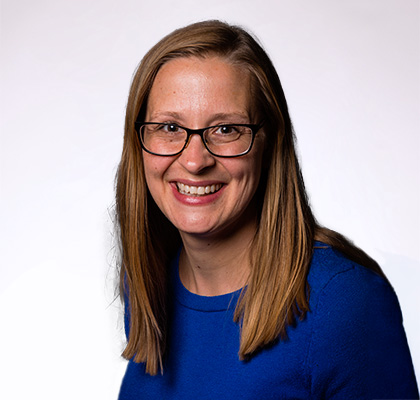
point(172, 128)
point(169, 128)
point(226, 130)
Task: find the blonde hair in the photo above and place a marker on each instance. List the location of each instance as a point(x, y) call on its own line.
point(277, 292)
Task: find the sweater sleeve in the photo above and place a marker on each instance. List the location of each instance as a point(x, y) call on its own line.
point(358, 347)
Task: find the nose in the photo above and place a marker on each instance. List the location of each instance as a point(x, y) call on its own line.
point(195, 158)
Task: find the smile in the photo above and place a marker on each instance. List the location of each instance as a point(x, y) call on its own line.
point(198, 190)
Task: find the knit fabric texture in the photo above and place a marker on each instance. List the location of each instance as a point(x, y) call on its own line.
point(351, 345)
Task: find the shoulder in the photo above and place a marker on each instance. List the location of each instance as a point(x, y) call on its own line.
point(350, 297)
point(356, 320)
point(333, 277)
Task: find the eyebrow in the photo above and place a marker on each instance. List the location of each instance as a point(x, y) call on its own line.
point(227, 116)
point(166, 114)
point(244, 117)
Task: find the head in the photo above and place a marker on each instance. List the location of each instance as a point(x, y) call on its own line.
point(238, 48)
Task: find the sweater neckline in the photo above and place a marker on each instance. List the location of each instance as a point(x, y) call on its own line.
point(209, 303)
point(194, 301)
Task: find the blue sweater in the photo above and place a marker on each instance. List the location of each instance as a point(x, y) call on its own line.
point(351, 345)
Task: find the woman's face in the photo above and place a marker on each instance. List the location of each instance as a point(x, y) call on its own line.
point(197, 93)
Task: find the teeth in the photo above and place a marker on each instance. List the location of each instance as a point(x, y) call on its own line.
point(198, 190)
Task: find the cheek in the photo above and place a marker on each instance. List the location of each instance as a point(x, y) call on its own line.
point(155, 166)
point(253, 175)
point(154, 169)
point(247, 175)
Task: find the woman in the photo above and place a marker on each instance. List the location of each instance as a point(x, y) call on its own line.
point(231, 288)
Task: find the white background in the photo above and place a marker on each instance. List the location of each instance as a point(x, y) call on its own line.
point(350, 70)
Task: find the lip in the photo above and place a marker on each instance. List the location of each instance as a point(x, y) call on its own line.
point(196, 200)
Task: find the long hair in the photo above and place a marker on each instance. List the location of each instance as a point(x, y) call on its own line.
point(277, 291)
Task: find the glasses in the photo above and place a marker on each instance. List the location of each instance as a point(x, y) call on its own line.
point(169, 139)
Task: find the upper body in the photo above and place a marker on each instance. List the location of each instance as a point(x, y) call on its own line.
point(209, 166)
point(351, 345)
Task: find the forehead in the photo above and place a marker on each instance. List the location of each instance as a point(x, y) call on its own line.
point(201, 85)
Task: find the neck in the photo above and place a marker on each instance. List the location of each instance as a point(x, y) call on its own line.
point(215, 266)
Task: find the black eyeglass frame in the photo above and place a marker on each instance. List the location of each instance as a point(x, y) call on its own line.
point(200, 132)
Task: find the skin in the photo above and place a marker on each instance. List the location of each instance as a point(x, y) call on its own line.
point(216, 229)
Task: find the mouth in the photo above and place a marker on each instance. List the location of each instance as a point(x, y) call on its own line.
point(198, 190)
